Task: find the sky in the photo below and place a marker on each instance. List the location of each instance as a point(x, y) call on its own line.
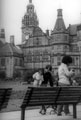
point(12, 12)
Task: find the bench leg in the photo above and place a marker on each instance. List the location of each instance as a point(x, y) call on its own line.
point(22, 114)
point(74, 111)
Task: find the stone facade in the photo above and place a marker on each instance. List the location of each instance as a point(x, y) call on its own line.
point(40, 48)
point(11, 59)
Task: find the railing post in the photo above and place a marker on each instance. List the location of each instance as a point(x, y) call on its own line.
point(74, 111)
point(22, 113)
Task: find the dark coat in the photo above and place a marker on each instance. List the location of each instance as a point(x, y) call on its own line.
point(48, 78)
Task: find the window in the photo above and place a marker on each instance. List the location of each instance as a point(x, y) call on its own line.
point(21, 62)
point(52, 47)
point(77, 61)
point(3, 62)
point(65, 48)
point(74, 48)
point(73, 61)
point(45, 56)
point(29, 57)
point(16, 61)
point(36, 42)
point(65, 37)
point(36, 56)
point(52, 60)
point(59, 48)
point(2, 35)
point(58, 60)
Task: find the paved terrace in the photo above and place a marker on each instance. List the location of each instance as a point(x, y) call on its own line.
point(34, 115)
point(12, 112)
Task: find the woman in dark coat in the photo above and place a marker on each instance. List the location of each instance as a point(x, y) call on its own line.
point(48, 76)
point(47, 79)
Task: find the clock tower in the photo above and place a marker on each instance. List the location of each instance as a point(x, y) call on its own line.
point(29, 21)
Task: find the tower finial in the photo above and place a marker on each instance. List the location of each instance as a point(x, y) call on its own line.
point(30, 1)
point(59, 13)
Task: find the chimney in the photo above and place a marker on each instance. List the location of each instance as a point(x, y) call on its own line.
point(12, 39)
point(47, 32)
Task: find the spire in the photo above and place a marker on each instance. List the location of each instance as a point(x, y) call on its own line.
point(60, 25)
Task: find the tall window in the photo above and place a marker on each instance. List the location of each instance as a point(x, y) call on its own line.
point(36, 56)
point(58, 60)
point(52, 60)
point(65, 38)
point(73, 61)
point(77, 61)
point(59, 48)
point(3, 62)
point(21, 62)
point(45, 56)
point(36, 42)
point(29, 57)
point(16, 61)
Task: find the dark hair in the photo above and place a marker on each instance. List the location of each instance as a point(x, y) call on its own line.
point(67, 59)
point(49, 67)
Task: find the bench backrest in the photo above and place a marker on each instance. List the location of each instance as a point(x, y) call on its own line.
point(36, 96)
point(69, 95)
point(4, 97)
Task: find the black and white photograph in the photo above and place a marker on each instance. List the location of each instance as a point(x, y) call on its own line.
point(40, 59)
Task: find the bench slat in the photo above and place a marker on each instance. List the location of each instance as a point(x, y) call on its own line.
point(45, 94)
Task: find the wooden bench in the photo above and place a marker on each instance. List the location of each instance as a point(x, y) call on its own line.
point(37, 96)
point(4, 97)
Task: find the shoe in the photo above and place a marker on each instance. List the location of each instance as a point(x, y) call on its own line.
point(68, 114)
point(59, 114)
point(42, 112)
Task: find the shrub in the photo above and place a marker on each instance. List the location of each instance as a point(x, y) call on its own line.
point(28, 75)
point(16, 74)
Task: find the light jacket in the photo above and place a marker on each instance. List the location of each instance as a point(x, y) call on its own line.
point(64, 74)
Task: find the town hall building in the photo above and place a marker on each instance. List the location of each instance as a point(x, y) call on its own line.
point(38, 49)
point(41, 48)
